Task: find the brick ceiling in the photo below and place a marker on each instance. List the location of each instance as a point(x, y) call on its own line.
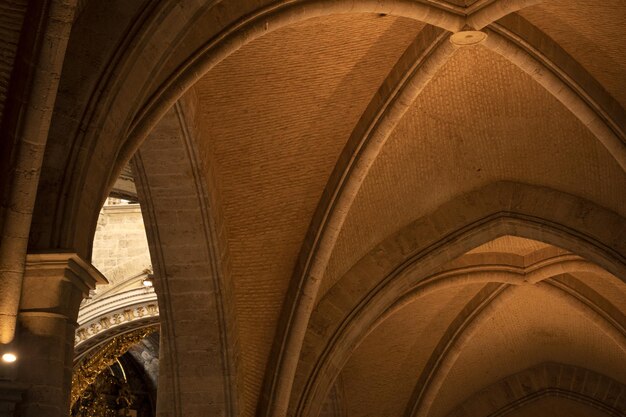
point(279, 111)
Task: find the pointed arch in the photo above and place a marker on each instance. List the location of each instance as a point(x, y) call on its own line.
point(235, 27)
point(190, 261)
point(499, 209)
point(77, 197)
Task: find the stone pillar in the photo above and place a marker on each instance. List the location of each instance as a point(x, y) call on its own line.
point(54, 286)
point(11, 394)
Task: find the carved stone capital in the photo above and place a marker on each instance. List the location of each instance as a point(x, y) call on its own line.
point(55, 284)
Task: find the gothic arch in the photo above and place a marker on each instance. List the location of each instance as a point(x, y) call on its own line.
point(158, 91)
point(183, 228)
point(416, 251)
point(303, 168)
point(129, 128)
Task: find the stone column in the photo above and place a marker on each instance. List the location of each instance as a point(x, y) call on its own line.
point(54, 286)
point(11, 394)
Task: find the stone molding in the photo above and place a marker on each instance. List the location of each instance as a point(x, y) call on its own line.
point(107, 314)
point(535, 55)
point(24, 131)
point(122, 208)
point(335, 404)
point(464, 327)
point(422, 59)
point(177, 86)
point(55, 283)
point(76, 270)
point(495, 210)
point(200, 263)
point(106, 305)
point(240, 26)
point(551, 67)
point(500, 283)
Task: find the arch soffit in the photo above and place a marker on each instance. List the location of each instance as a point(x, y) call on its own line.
point(419, 63)
point(261, 21)
point(381, 116)
point(269, 18)
point(444, 356)
point(190, 261)
point(499, 287)
point(482, 307)
point(614, 148)
point(499, 275)
point(82, 106)
point(498, 272)
point(493, 295)
point(257, 25)
point(227, 43)
point(499, 279)
point(488, 213)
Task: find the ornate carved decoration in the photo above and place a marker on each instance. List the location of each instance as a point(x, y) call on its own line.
point(126, 307)
point(108, 396)
point(86, 371)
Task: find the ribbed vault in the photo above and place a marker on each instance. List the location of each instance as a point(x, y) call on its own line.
point(346, 313)
point(285, 116)
point(344, 206)
point(587, 32)
point(480, 119)
point(471, 334)
point(532, 328)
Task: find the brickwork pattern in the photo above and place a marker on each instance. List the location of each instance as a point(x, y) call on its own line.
point(265, 234)
point(545, 380)
point(376, 377)
point(586, 31)
point(355, 286)
point(531, 329)
point(430, 155)
point(196, 363)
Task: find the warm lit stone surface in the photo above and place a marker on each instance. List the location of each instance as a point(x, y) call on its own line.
point(294, 272)
point(376, 380)
point(480, 119)
point(277, 122)
point(549, 407)
point(531, 329)
point(11, 19)
point(511, 244)
point(120, 248)
point(589, 31)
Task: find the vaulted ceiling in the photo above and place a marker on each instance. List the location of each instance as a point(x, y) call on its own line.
point(408, 225)
point(277, 114)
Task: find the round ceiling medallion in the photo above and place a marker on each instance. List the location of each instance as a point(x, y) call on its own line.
point(468, 37)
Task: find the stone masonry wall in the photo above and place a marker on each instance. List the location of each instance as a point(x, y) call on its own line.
point(120, 248)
